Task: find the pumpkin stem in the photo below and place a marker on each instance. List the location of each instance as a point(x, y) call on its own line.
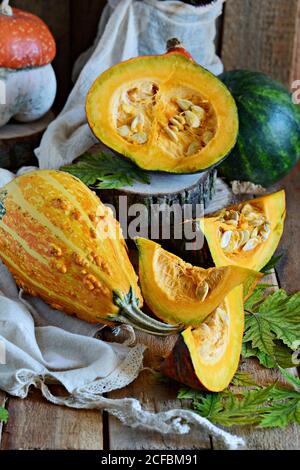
point(130, 314)
point(5, 8)
point(173, 43)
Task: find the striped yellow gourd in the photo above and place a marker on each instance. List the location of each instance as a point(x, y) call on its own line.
point(62, 244)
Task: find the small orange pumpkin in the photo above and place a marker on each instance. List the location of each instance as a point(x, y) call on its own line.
point(25, 40)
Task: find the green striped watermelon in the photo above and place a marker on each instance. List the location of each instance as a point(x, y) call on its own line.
point(268, 145)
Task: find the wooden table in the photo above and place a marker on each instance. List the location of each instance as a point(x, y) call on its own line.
point(35, 423)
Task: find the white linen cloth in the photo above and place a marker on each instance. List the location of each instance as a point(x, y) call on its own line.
point(127, 28)
point(43, 346)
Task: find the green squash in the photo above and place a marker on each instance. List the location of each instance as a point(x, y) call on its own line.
point(268, 145)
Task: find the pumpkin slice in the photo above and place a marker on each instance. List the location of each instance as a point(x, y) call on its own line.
point(163, 112)
point(207, 357)
point(178, 292)
point(246, 234)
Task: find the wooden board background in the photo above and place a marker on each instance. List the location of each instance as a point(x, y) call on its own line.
point(261, 35)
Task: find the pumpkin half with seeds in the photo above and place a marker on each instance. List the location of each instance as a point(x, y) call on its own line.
point(246, 234)
point(178, 292)
point(62, 244)
point(207, 357)
point(164, 112)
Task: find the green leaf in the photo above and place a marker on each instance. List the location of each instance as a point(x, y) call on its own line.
point(105, 170)
point(257, 330)
point(282, 414)
point(282, 355)
point(272, 327)
point(290, 378)
point(3, 415)
point(270, 406)
point(272, 263)
point(242, 379)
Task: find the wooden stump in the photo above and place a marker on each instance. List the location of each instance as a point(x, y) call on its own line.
point(18, 141)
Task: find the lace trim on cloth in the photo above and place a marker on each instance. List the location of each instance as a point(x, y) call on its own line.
point(128, 410)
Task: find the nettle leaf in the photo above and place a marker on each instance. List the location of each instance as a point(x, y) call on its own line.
point(257, 330)
point(272, 327)
point(282, 355)
point(105, 170)
point(268, 407)
point(290, 378)
point(242, 379)
point(281, 414)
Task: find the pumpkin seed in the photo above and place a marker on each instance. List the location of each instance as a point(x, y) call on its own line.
point(251, 244)
point(174, 128)
point(265, 232)
point(225, 240)
point(176, 123)
point(123, 131)
point(246, 209)
point(193, 148)
point(219, 311)
point(140, 137)
point(244, 237)
point(254, 232)
point(207, 137)
point(192, 119)
point(184, 104)
point(138, 122)
point(171, 134)
point(180, 118)
point(127, 108)
point(202, 291)
point(199, 111)
point(232, 222)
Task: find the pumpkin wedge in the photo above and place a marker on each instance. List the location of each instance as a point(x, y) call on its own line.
point(164, 112)
point(246, 234)
point(207, 357)
point(62, 244)
point(179, 292)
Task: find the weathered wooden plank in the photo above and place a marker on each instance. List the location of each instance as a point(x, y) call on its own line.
point(261, 36)
point(155, 396)
point(84, 23)
point(295, 73)
point(37, 424)
point(56, 14)
point(289, 267)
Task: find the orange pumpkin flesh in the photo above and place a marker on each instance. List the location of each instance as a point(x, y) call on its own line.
point(264, 215)
point(166, 113)
point(207, 357)
point(178, 292)
point(25, 41)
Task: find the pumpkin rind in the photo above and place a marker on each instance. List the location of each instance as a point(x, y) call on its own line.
point(273, 206)
point(184, 364)
point(63, 245)
point(29, 93)
point(171, 73)
point(25, 41)
point(173, 289)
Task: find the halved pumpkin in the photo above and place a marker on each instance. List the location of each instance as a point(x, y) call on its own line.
point(207, 357)
point(246, 234)
point(178, 292)
point(163, 112)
